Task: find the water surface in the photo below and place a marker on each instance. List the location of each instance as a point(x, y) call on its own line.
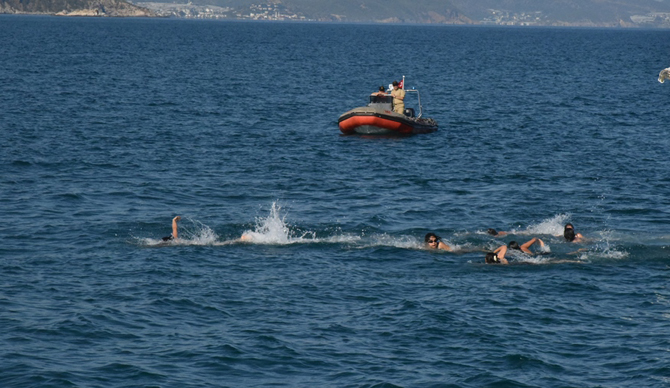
point(111, 127)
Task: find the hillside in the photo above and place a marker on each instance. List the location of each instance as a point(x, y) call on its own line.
point(606, 13)
point(598, 12)
point(74, 7)
point(416, 11)
point(591, 13)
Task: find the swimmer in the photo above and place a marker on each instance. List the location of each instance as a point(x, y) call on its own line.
point(497, 256)
point(175, 233)
point(525, 248)
point(433, 242)
point(570, 235)
point(496, 233)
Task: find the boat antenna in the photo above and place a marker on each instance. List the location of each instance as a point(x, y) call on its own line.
point(403, 82)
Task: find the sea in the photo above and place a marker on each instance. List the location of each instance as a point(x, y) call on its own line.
point(111, 127)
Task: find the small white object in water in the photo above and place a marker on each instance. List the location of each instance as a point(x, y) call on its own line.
point(663, 75)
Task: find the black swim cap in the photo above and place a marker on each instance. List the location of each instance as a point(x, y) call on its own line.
point(429, 235)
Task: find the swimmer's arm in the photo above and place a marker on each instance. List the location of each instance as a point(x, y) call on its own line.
point(578, 238)
point(501, 251)
point(175, 232)
point(525, 247)
point(443, 246)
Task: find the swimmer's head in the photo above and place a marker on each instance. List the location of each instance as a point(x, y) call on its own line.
point(492, 232)
point(492, 258)
point(514, 245)
point(432, 240)
point(569, 234)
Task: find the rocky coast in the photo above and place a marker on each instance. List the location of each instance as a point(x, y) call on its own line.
point(100, 8)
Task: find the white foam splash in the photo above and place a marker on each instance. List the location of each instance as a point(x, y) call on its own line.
point(201, 234)
point(600, 247)
point(614, 254)
point(605, 250)
point(383, 239)
point(145, 241)
point(544, 248)
point(552, 226)
point(532, 259)
point(663, 75)
point(273, 229)
point(342, 238)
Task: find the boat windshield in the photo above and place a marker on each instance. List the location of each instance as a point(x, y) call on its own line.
point(383, 99)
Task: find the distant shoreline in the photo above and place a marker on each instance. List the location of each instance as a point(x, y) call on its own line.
point(628, 14)
point(329, 22)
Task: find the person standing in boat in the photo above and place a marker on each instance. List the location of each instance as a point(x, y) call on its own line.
point(379, 95)
point(398, 98)
point(380, 92)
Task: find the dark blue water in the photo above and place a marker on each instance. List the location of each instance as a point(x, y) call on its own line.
point(110, 128)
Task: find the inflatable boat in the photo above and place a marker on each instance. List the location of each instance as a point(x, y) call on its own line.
point(378, 118)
